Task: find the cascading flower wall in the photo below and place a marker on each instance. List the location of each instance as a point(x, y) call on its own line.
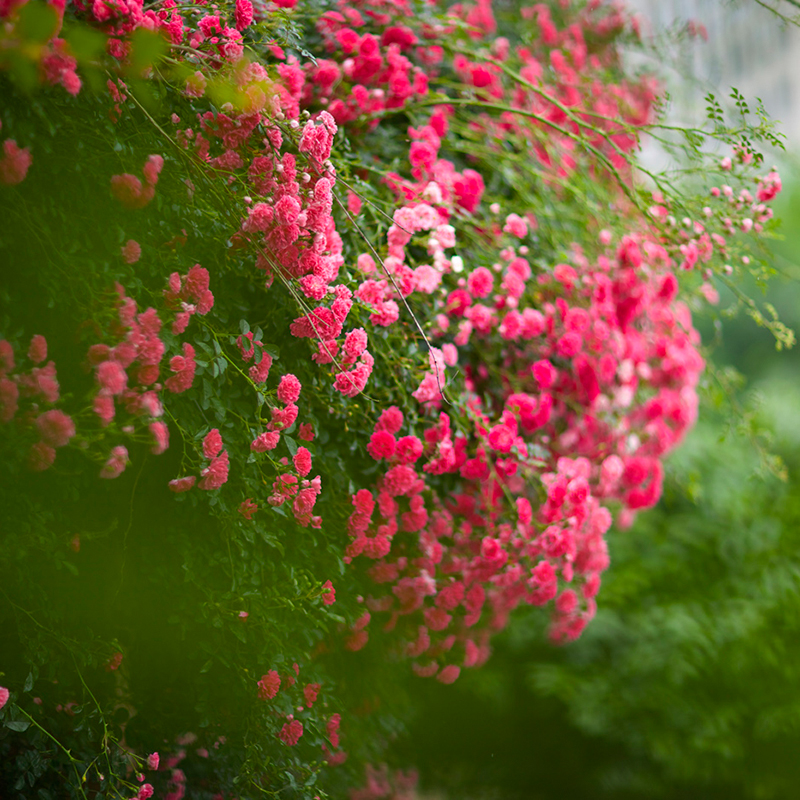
point(381, 287)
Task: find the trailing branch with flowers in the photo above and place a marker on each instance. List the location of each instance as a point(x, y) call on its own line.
point(380, 286)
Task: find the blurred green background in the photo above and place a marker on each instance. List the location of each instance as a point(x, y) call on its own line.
point(687, 683)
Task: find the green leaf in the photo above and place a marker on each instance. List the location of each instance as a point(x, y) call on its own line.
point(37, 22)
point(18, 725)
point(22, 70)
point(85, 43)
point(147, 47)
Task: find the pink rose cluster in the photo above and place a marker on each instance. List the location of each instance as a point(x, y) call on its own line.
point(295, 225)
point(14, 163)
point(215, 474)
point(378, 70)
point(128, 372)
point(127, 376)
point(449, 568)
point(54, 60)
point(259, 372)
point(381, 783)
point(292, 226)
point(187, 295)
point(288, 486)
point(130, 191)
point(271, 683)
point(131, 251)
point(33, 384)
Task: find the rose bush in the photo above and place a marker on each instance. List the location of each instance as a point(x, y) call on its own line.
point(409, 236)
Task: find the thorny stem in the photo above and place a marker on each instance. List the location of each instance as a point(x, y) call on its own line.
point(73, 761)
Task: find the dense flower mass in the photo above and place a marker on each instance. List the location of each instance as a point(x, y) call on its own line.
point(446, 347)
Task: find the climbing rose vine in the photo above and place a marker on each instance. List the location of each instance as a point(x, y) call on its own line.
point(371, 327)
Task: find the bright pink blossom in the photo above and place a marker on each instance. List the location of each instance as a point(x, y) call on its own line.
point(289, 389)
point(269, 685)
point(196, 282)
point(37, 352)
point(131, 251)
point(160, 434)
point(353, 203)
point(184, 368)
point(501, 438)
point(480, 282)
point(129, 191)
point(332, 729)
point(545, 373)
point(179, 485)
point(265, 441)
point(355, 342)
point(216, 473)
point(103, 406)
point(260, 372)
point(391, 420)
point(310, 693)
point(55, 427)
point(381, 445)
point(42, 381)
point(247, 508)
point(769, 187)
point(116, 463)
point(15, 163)
point(41, 457)
point(302, 461)
point(152, 168)
point(284, 417)
point(244, 14)
point(408, 450)
point(212, 443)
point(291, 732)
point(112, 377)
point(516, 225)
point(449, 674)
